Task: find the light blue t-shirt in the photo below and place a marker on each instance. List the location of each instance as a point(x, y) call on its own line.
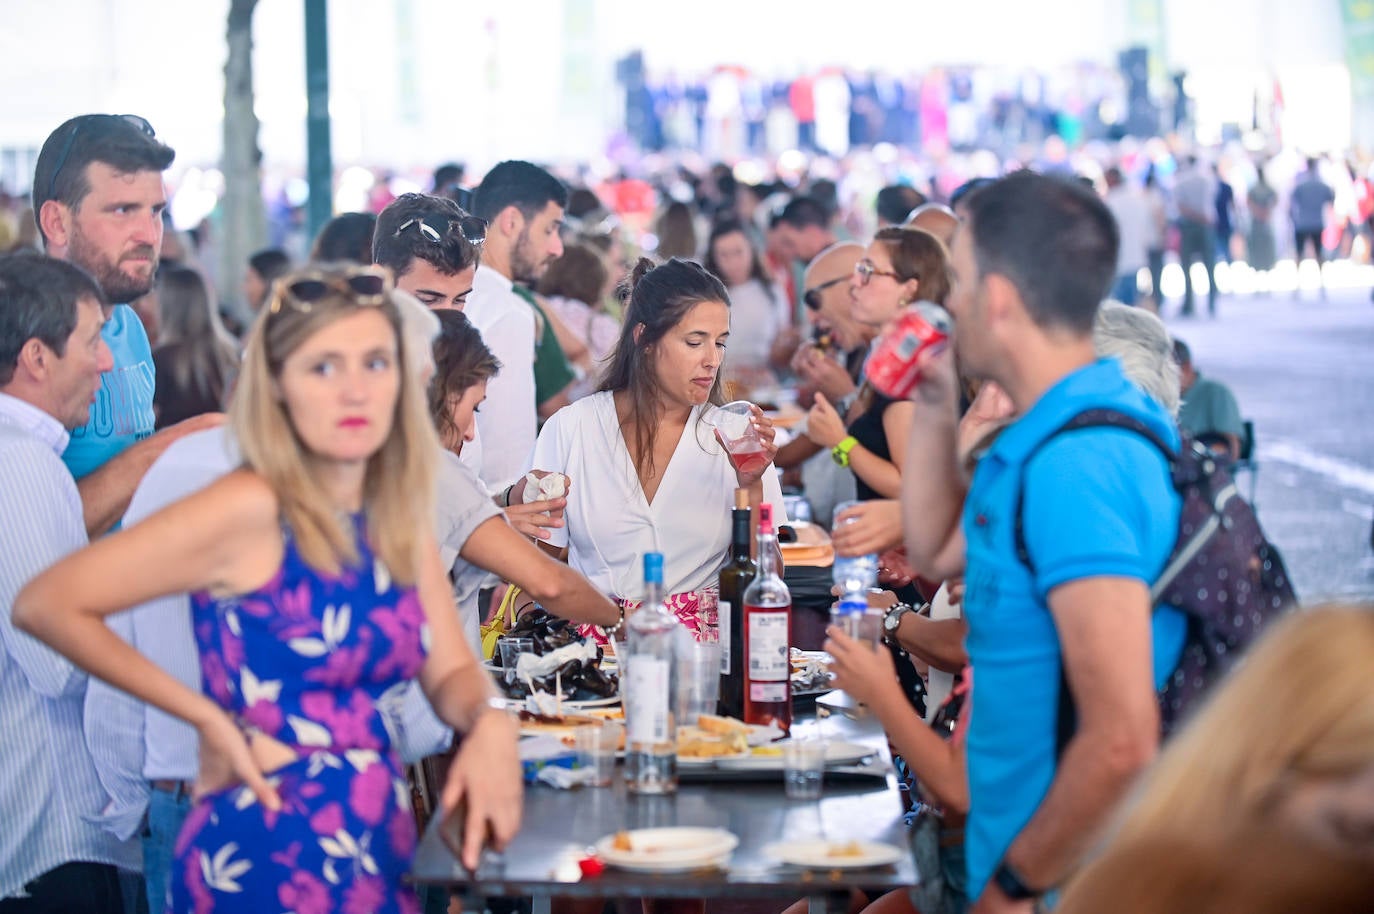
point(123, 409)
point(1098, 502)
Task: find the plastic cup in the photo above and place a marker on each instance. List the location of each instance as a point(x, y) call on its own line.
point(803, 767)
point(596, 746)
point(698, 681)
point(511, 648)
point(735, 428)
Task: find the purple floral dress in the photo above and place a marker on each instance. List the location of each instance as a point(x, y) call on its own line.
point(312, 661)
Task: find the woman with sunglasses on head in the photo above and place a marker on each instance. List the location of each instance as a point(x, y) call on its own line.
point(759, 312)
point(651, 475)
point(473, 540)
point(318, 594)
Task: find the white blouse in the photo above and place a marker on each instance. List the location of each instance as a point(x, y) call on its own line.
point(610, 525)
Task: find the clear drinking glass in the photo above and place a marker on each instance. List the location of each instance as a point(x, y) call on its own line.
point(803, 766)
point(596, 746)
point(511, 647)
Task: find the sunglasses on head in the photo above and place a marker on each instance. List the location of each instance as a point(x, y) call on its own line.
point(367, 286)
point(472, 228)
point(865, 270)
point(812, 296)
point(143, 126)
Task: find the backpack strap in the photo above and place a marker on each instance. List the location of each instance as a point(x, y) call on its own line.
point(1099, 417)
point(1067, 717)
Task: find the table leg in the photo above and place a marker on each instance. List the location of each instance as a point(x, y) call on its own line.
point(825, 903)
point(542, 904)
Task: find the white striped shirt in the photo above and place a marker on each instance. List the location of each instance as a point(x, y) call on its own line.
point(48, 784)
point(134, 743)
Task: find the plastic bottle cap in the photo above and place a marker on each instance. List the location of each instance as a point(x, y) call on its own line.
point(765, 518)
point(653, 567)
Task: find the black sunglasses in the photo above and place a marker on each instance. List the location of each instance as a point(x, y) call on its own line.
point(472, 228)
point(812, 296)
point(145, 127)
point(367, 286)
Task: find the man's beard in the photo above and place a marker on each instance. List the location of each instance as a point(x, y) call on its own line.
point(119, 287)
point(522, 267)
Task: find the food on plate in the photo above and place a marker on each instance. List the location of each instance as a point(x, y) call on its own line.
point(848, 849)
point(561, 658)
point(722, 726)
point(713, 737)
point(810, 671)
point(621, 841)
point(767, 751)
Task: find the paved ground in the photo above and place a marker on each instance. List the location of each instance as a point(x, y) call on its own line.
point(1304, 372)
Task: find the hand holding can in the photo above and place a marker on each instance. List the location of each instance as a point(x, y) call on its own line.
point(919, 332)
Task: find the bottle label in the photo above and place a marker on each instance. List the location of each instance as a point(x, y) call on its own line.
point(646, 701)
point(768, 647)
point(765, 692)
point(723, 610)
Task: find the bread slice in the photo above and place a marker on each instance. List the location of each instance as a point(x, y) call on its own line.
point(722, 726)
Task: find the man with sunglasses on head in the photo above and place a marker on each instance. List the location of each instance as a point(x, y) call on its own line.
point(433, 247)
point(98, 199)
point(523, 206)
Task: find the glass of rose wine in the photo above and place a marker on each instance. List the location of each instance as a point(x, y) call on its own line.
point(735, 429)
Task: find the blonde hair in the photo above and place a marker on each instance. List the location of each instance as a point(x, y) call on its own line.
point(1300, 705)
point(398, 488)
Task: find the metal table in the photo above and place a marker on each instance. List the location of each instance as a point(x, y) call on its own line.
point(560, 825)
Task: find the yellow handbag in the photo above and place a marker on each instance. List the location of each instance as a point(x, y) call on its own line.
point(500, 623)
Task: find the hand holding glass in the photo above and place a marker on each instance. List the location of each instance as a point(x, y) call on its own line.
point(734, 424)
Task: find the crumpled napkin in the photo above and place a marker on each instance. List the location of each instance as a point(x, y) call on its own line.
point(554, 485)
point(565, 778)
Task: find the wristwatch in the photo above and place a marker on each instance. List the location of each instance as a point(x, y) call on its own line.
point(840, 452)
point(893, 618)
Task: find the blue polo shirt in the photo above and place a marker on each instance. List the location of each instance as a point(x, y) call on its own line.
point(123, 409)
point(1098, 502)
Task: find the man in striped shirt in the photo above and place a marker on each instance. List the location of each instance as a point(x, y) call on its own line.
point(52, 354)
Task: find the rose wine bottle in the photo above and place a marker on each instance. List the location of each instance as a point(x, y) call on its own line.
point(768, 635)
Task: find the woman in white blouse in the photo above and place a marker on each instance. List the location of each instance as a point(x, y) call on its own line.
point(648, 474)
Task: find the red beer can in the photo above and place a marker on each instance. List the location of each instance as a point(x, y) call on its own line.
point(892, 368)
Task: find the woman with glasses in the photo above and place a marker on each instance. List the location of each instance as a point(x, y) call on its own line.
point(650, 475)
point(758, 310)
point(317, 595)
point(899, 267)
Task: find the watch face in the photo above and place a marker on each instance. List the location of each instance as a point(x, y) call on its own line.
point(892, 620)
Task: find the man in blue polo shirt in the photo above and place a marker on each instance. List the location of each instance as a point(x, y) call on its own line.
point(1099, 514)
point(98, 199)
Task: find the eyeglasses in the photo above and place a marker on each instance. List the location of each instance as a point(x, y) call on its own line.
point(472, 228)
point(812, 296)
point(368, 286)
point(865, 270)
point(145, 127)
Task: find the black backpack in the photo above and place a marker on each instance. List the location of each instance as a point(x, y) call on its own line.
point(1223, 574)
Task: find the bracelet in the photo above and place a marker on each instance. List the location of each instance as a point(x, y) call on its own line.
point(505, 495)
point(1011, 883)
point(614, 630)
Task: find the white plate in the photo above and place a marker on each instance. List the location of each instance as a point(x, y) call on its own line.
point(836, 753)
point(669, 850)
point(693, 762)
point(517, 704)
point(819, 855)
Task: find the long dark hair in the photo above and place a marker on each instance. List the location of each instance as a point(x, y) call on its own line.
point(730, 227)
point(461, 359)
point(200, 355)
point(655, 299)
